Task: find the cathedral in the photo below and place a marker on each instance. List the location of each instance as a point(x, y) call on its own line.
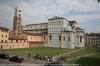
point(64, 34)
point(56, 32)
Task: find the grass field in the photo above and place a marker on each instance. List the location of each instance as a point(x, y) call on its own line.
point(85, 56)
point(43, 51)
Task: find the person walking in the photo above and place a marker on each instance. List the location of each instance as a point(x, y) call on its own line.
point(29, 55)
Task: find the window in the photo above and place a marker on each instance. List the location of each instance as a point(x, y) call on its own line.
point(6, 41)
point(6, 35)
point(2, 35)
point(80, 39)
point(17, 41)
point(1, 41)
point(10, 47)
point(1, 47)
point(19, 10)
point(44, 37)
point(13, 45)
point(69, 38)
point(59, 38)
point(64, 38)
point(19, 14)
point(50, 37)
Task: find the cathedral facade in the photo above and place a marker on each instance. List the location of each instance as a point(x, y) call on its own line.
point(65, 34)
point(58, 32)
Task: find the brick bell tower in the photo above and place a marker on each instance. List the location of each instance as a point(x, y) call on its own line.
point(17, 20)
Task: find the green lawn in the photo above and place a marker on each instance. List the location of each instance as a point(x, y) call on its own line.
point(43, 51)
point(91, 60)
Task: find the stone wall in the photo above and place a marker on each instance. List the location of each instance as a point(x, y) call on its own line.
point(13, 45)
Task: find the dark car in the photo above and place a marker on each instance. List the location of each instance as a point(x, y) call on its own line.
point(4, 56)
point(16, 59)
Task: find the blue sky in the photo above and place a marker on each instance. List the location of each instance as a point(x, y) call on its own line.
point(85, 12)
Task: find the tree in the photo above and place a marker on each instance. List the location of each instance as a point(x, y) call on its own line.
point(98, 1)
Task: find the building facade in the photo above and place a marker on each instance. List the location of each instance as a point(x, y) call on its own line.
point(35, 28)
point(4, 34)
point(92, 39)
point(57, 32)
point(15, 38)
point(6, 43)
point(37, 34)
point(63, 33)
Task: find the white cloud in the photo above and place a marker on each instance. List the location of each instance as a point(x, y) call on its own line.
point(84, 18)
point(41, 10)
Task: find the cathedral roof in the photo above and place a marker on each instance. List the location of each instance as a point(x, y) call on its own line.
point(57, 17)
point(71, 22)
point(77, 28)
point(68, 28)
point(36, 24)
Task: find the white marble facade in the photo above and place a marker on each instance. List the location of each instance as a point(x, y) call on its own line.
point(64, 34)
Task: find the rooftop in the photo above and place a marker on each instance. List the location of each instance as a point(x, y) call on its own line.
point(36, 24)
point(74, 21)
point(77, 28)
point(57, 17)
point(4, 28)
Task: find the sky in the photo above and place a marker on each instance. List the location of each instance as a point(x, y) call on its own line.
point(85, 12)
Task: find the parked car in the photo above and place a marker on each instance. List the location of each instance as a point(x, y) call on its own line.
point(4, 56)
point(16, 59)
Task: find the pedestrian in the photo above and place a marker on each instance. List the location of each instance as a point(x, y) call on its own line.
point(29, 55)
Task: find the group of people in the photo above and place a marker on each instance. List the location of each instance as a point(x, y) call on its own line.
point(44, 58)
point(48, 58)
point(61, 59)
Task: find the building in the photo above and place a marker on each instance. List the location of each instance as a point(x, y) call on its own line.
point(37, 34)
point(57, 32)
point(15, 38)
point(27, 34)
point(4, 34)
point(80, 37)
point(92, 39)
point(63, 33)
point(35, 28)
point(5, 43)
point(16, 33)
